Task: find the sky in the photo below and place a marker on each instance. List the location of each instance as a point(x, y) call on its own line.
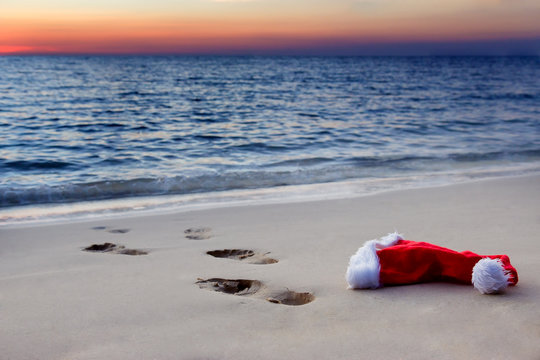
point(271, 27)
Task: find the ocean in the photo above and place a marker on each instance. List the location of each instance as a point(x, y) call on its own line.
point(101, 135)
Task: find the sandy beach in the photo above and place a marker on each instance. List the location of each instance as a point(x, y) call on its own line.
point(60, 302)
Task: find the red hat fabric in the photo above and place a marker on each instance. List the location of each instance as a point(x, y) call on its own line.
point(391, 260)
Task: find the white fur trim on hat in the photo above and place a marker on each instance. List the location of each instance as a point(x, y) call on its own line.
point(364, 267)
point(489, 277)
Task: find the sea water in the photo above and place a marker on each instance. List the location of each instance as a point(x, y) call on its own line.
point(106, 134)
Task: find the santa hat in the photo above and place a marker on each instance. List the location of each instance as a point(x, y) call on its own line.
point(391, 260)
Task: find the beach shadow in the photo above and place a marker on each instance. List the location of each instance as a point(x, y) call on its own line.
point(114, 249)
point(256, 289)
point(198, 233)
point(248, 256)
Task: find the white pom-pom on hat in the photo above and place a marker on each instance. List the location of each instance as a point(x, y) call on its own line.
point(489, 276)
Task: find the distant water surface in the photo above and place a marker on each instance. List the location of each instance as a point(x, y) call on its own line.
point(88, 128)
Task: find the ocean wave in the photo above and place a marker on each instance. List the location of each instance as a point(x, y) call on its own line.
point(499, 96)
point(279, 194)
point(23, 165)
point(284, 173)
point(301, 162)
point(533, 154)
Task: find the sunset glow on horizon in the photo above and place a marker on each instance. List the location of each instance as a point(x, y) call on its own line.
point(257, 26)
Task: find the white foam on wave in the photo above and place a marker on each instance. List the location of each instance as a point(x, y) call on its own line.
point(34, 214)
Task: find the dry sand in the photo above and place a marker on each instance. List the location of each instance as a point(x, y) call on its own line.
point(59, 302)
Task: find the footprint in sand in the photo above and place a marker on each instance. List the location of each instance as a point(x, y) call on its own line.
point(236, 287)
point(289, 297)
point(255, 288)
point(198, 233)
point(119, 231)
point(114, 249)
point(248, 256)
point(112, 231)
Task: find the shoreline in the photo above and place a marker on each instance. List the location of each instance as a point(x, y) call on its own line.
point(61, 302)
point(57, 213)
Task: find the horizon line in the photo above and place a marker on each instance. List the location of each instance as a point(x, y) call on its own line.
point(518, 46)
point(254, 55)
